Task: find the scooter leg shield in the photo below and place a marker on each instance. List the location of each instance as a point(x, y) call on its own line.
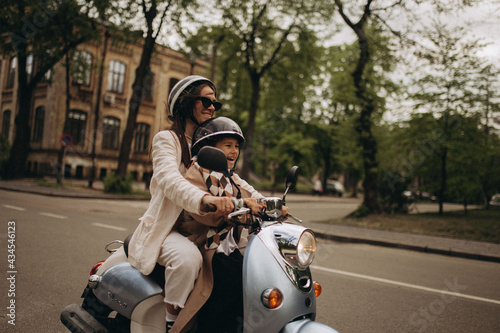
point(76, 319)
point(307, 326)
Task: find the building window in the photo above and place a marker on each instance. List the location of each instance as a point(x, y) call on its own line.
point(116, 76)
point(141, 137)
point(6, 124)
point(11, 76)
point(38, 128)
point(82, 68)
point(110, 132)
point(76, 123)
point(149, 86)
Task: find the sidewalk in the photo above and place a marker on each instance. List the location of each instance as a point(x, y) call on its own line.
point(340, 233)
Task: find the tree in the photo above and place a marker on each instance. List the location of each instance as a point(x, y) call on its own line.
point(366, 102)
point(445, 84)
point(144, 78)
point(465, 150)
point(266, 33)
point(45, 31)
point(489, 109)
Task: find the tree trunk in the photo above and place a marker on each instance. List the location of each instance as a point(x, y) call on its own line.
point(366, 138)
point(364, 129)
point(142, 73)
point(442, 188)
point(16, 164)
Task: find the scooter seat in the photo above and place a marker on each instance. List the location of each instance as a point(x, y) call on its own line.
point(126, 241)
point(158, 273)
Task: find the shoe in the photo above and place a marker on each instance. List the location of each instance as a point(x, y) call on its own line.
point(169, 325)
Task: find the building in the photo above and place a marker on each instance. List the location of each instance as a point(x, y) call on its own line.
point(51, 126)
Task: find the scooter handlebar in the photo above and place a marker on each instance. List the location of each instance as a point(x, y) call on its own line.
point(239, 212)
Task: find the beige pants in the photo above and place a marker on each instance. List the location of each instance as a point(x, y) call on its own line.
point(182, 260)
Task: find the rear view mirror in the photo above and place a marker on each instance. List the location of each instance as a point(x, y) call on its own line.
point(291, 180)
point(213, 159)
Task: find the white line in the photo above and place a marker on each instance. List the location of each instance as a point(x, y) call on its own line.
point(61, 217)
point(407, 285)
point(109, 226)
point(15, 207)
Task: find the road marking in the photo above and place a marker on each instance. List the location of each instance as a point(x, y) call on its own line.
point(56, 216)
point(109, 226)
point(407, 285)
point(15, 208)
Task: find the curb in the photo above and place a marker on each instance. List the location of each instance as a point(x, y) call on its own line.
point(451, 253)
point(74, 195)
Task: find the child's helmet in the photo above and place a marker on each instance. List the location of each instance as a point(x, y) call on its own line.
point(214, 129)
point(184, 85)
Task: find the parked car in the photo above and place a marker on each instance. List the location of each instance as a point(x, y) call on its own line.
point(426, 196)
point(495, 200)
point(334, 187)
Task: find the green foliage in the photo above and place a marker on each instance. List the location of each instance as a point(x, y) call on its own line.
point(118, 185)
point(45, 31)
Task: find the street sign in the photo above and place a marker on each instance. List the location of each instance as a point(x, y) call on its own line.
point(66, 140)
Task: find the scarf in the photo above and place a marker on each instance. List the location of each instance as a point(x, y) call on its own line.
point(219, 186)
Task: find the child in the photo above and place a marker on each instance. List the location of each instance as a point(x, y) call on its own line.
point(219, 242)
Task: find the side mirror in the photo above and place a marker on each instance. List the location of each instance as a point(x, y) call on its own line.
point(213, 159)
point(291, 180)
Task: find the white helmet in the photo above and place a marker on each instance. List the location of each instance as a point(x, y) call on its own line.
point(186, 84)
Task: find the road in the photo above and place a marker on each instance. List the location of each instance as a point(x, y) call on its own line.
point(366, 288)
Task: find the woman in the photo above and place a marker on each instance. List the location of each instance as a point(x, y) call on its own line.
point(191, 101)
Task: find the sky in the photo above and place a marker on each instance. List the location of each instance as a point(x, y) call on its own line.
point(482, 20)
point(488, 27)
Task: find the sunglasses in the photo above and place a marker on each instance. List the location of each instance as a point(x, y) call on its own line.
point(207, 102)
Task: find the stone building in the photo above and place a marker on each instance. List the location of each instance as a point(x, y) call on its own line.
point(52, 126)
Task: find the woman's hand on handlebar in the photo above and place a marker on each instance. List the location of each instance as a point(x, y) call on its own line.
point(223, 204)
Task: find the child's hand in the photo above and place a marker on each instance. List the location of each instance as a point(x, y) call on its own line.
point(284, 211)
point(253, 205)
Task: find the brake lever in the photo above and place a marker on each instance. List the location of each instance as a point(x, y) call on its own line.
point(294, 218)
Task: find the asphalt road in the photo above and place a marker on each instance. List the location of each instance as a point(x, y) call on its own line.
point(366, 288)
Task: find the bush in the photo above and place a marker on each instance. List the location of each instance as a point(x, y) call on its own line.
point(392, 187)
point(361, 211)
point(118, 185)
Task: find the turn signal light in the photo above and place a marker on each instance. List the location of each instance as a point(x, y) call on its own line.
point(272, 298)
point(317, 288)
point(96, 267)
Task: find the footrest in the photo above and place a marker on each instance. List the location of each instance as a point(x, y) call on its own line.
point(76, 319)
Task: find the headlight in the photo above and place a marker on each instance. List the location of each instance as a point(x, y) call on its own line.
point(297, 248)
point(306, 248)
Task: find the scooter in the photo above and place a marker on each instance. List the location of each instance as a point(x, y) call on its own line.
point(279, 293)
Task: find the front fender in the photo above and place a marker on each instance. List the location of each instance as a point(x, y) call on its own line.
point(307, 326)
